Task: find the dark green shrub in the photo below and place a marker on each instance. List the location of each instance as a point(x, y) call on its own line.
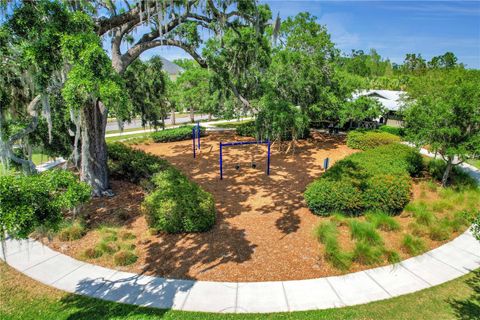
point(178, 205)
point(132, 165)
point(247, 129)
point(365, 140)
point(393, 130)
point(29, 202)
point(377, 179)
point(176, 134)
point(124, 258)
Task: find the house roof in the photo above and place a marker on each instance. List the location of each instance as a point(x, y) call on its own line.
point(170, 67)
point(390, 99)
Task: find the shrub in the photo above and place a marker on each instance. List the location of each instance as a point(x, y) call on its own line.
point(459, 178)
point(124, 258)
point(392, 130)
point(365, 140)
point(178, 205)
point(413, 245)
point(383, 221)
point(133, 165)
point(72, 231)
point(476, 226)
point(365, 253)
point(29, 202)
point(176, 134)
point(247, 129)
point(377, 179)
point(365, 231)
point(92, 253)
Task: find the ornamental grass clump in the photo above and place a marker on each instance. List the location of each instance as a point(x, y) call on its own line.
point(71, 231)
point(327, 233)
point(413, 245)
point(365, 231)
point(382, 221)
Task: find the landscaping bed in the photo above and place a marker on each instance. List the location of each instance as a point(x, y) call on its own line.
point(264, 229)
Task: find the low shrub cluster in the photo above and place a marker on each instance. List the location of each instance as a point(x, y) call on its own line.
point(178, 205)
point(365, 140)
point(28, 202)
point(247, 129)
point(176, 134)
point(393, 130)
point(132, 165)
point(174, 204)
point(377, 179)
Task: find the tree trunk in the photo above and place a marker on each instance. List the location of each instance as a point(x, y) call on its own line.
point(173, 117)
point(209, 117)
point(94, 168)
point(446, 174)
point(192, 115)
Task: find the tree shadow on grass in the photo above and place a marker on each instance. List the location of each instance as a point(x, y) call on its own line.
point(469, 308)
point(81, 307)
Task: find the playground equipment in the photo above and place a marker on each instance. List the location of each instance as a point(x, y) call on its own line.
point(326, 163)
point(196, 133)
point(242, 143)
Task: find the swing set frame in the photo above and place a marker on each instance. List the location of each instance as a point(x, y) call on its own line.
point(196, 133)
point(242, 143)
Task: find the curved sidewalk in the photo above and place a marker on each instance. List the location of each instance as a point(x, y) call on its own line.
point(440, 265)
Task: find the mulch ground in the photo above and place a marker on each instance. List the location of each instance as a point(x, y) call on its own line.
point(264, 231)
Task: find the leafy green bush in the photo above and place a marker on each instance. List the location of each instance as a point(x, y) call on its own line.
point(436, 168)
point(392, 130)
point(247, 129)
point(176, 134)
point(72, 231)
point(365, 140)
point(133, 165)
point(178, 205)
point(28, 202)
point(377, 179)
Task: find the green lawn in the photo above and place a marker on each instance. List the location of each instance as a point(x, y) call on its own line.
point(230, 124)
point(140, 136)
point(474, 162)
point(23, 298)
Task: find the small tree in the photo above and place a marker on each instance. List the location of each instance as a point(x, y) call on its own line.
point(360, 109)
point(443, 112)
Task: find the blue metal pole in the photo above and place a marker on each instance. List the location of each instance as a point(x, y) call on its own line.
point(221, 161)
point(193, 142)
point(199, 134)
point(268, 158)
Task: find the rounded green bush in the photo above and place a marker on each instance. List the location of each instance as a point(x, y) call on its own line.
point(376, 179)
point(247, 129)
point(324, 196)
point(365, 140)
point(178, 205)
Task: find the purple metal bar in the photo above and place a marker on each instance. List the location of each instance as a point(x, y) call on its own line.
point(193, 142)
point(221, 161)
point(268, 158)
point(199, 132)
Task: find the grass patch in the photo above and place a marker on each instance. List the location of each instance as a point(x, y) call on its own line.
point(23, 298)
point(124, 258)
point(382, 221)
point(92, 253)
point(327, 233)
point(367, 254)
point(365, 231)
point(440, 231)
point(413, 245)
point(72, 231)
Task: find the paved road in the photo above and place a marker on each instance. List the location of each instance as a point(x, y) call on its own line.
point(137, 123)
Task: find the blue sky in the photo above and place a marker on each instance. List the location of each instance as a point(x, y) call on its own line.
point(394, 28)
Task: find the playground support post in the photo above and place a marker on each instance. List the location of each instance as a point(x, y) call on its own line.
point(221, 161)
point(193, 142)
point(196, 133)
point(268, 158)
point(199, 133)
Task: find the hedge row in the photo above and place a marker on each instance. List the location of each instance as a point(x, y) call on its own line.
point(393, 130)
point(175, 134)
point(377, 179)
point(247, 129)
point(174, 204)
point(365, 140)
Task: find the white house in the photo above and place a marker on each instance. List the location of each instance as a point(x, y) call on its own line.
point(390, 99)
